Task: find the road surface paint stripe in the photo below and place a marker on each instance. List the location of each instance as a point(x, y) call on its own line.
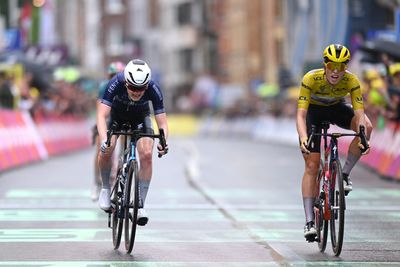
point(192, 264)
point(146, 235)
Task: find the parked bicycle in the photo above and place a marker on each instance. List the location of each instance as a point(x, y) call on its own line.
point(125, 198)
point(330, 205)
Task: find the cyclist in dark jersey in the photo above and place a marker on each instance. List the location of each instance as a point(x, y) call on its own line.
point(112, 69)
point(127, 99)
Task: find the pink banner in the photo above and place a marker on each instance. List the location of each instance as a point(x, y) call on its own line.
point(64, 134)
point(20, 142)
point(24, 141)
point(384, 156)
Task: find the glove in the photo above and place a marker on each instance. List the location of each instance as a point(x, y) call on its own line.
point(162, 151)
point(303, 145)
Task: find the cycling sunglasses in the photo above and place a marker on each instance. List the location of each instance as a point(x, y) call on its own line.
point(135, 88)
point(336, 66)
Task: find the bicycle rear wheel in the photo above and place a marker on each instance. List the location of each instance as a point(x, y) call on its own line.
point(132, 205)
point(338, 206)
point(116, 214)
point(320, 224)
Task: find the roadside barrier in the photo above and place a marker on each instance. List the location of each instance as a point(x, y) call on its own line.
point(24, 141)
point(64, 134)
point(384, 157)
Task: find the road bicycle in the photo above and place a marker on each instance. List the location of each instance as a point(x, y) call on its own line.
point(125, 197)
point(330, 204)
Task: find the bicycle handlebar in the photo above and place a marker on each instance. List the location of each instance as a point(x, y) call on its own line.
point(137, 134)
point(360, 134)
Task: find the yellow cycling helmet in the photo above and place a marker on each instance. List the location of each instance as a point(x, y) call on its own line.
point(336, 53)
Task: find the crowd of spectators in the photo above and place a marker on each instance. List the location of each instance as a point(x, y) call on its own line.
point(59, 98)
point(380, 82)
point(381, 92)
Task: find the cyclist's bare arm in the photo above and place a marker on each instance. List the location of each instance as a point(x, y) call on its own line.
point(161, 120)
point(358, 104)
point(162, 123)
point(301, 123)
point(302, 107)
point(102, 114)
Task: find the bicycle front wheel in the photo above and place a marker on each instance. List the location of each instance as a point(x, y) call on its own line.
point(132, 205)
point(116, 214)
point(319, 208)
point(338, 206)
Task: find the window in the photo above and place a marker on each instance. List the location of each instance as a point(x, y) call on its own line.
point(114, 6)
point(114, 40)
point(186, 60)
point(184, 13)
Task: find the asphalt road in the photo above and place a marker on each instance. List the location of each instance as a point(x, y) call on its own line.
point(213, 202)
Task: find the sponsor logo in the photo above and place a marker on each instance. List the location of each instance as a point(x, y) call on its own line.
point(318, 78)
point(338, 91)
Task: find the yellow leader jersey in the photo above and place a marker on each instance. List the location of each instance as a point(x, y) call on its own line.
point(316, 90)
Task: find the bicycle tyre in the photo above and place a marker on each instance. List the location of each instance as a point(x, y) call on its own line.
point(131, 209)
point(321, 224)
point(337, 199)
point(116, 221)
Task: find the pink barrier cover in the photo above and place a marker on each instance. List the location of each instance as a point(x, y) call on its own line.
point(384, 156)
point(20, 142)
point(24, 140)
point(63, 134)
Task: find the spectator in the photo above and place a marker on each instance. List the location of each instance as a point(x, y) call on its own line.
point(394, 91)
point(6, 95)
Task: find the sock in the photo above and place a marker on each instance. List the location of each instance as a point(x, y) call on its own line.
point(350, 163)
point(143, 188)
point(308, 203)
point(105, 177)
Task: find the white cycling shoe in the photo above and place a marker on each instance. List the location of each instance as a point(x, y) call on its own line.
point(142, 217)
point(104, 199)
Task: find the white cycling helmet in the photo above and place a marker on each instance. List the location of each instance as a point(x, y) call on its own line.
point(137, 73)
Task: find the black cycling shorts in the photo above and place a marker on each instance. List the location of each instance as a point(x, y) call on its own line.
point(142, 122)
point(340, 114)
point(136, 114)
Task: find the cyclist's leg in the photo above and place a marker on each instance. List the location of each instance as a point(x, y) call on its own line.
point(346, 119)
point(105, 164)
point(96, 171)
point(145, 151)
point(309, 184)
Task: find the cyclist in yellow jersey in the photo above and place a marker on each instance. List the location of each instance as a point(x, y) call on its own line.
point(321, 99)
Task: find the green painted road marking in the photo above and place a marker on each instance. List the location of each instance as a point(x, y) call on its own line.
point(191, 264)
point(52, 215)
point(48, 193)
point(265, 216)
point(104, 234)
point(54, 235)
point(378, 194)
